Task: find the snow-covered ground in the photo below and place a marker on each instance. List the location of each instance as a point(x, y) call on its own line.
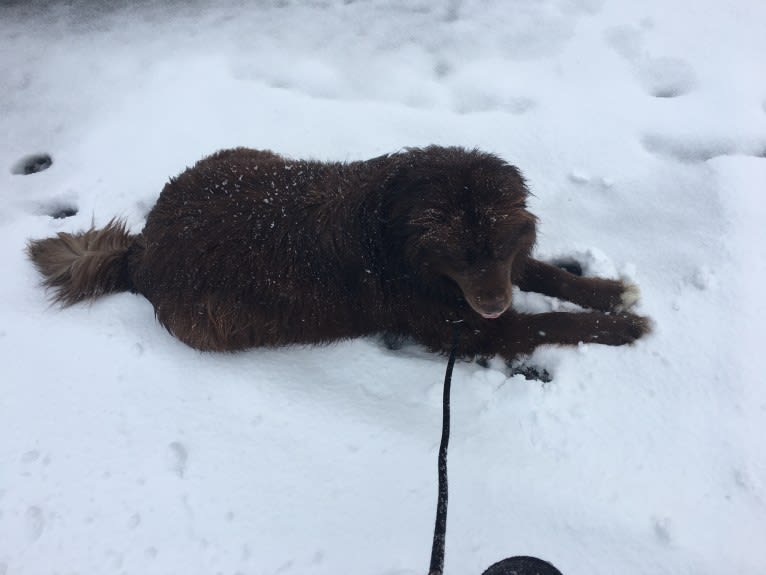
point(641, 127)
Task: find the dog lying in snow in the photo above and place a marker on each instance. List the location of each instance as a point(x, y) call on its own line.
point(249, 248)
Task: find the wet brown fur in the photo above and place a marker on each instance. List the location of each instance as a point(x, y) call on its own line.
point(249, 248)
point(85, 265)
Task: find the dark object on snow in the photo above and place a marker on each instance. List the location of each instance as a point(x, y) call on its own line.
point(570, 265)
point(61, 212)
point(530, 372)
point(32, 164)
point(248, 248)
point(522, 566)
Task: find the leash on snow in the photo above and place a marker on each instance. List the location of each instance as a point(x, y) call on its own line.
point(440, 528)
point(518, 565)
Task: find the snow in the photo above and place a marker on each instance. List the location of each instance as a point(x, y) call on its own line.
point(641, 128)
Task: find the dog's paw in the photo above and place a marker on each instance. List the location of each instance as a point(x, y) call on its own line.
point(625, 328)
point(629, 297)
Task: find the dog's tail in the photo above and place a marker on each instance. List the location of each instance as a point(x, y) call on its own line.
point(84, 265)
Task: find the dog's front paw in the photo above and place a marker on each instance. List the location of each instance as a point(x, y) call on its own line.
point(624, 328)
point(629, 297)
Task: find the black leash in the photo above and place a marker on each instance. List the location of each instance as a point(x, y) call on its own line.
point(519, 565)
point(440, 529)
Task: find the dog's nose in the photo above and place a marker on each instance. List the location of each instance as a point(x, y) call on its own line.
point(491, 306)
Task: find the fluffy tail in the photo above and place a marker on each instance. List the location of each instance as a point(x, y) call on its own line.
point(85, 265)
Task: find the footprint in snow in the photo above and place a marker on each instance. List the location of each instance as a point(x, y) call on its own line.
point(662, 529)
point(30, 456)
point(59, 210)
point(32, 164)
point(178, 457)
point(443, 68)
point(666, 77)
point(35, 522)
point(702, 278)
point(694, 149)
point(661, 77)
point(742, 479)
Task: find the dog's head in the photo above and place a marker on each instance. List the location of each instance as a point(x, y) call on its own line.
point(465, 218)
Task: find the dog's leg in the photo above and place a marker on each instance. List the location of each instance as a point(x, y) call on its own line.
point(527, 331)
point(594, 293)
point(515, 334)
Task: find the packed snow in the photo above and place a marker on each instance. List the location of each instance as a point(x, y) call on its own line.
point(641, 127)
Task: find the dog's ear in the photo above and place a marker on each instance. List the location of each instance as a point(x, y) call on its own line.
point(403, 185)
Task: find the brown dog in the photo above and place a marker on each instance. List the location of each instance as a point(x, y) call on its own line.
point(249, 248)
